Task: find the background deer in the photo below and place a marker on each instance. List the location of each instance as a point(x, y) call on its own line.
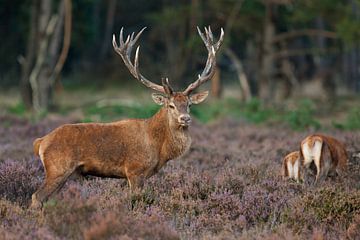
point(291, 166)
point(134, 149)
point(328, 154)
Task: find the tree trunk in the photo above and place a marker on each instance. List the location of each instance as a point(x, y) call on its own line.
point(46, 28)
point(38, 76)
point(67, 15)
point(47, 68)
point(28, 61)
point(267, 61)
point(110, 17)
point(216, 89)
point(244, 82)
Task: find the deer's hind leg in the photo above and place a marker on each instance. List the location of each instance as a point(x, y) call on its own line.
point(323, 163)
point(55, 178)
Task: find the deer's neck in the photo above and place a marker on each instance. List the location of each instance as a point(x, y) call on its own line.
point(171, 140)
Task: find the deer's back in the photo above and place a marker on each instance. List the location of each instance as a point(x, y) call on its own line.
point(98, 147)
point(338, 151)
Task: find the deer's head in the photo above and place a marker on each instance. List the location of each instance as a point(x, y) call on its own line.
point(177, 103)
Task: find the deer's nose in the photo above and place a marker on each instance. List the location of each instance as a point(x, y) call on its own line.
point(185, 119)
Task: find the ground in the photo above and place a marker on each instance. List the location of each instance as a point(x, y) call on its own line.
point(228, 186)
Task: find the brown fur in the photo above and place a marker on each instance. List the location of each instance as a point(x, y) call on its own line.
point(332, 155)
point(291, 159)
point(134, 149)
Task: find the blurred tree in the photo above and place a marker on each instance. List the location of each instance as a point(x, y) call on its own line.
point(43, 62)
point(110, 15)
point(174, 29)
point(269, 43)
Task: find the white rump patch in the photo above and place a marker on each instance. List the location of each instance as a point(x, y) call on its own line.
point(290, 170)
point(296, 169)
point(293, 169)
point(312, 153)
point(41, 154)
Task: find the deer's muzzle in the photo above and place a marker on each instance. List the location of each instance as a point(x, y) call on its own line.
point(184, 119)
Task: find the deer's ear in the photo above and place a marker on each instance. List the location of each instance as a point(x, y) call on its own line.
point(199, 97)
point(158, 98)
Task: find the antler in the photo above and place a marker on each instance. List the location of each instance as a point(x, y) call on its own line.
point(166, 85)
point(209, 69)
point(124, 50)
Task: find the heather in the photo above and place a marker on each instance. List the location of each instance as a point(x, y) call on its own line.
point(228, 186)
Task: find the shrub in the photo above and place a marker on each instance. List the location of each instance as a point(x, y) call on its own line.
point(123, 226)
point(302, 117)
point(254, 111)
point(352, 121)
point(325, 207)
point(19, 109)
point(66, 217)
point(16, 181)
point(114, 112)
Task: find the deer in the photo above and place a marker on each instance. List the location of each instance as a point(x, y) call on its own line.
point(134, 149)
point(327, 154)
point(291, 166)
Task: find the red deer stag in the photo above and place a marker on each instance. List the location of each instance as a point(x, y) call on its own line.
point(134, 149)
point(327, 153)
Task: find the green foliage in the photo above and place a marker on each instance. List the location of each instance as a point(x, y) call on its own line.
point(207, 112)
point(255, 112)
point(169, 16)
point(18, 109)
point(302, 117)
point(110, 113)
point(349, 30)
point(352, 121)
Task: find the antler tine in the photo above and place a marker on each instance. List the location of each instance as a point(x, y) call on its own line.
point(203, 37)
point(221, 39)
point(136, 62)
point(125, 49)
point(211, 36)
point(121, 36)
point(138, 35)
point(167, 87)
point(210, 66)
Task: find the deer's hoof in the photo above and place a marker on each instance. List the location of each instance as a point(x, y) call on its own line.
point(35, 204)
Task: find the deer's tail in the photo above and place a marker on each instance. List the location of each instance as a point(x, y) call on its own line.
point(36, 146)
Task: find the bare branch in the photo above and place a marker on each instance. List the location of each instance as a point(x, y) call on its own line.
point(306, 32)
point(66, 42)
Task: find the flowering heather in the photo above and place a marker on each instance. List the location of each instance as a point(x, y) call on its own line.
point(227, 187)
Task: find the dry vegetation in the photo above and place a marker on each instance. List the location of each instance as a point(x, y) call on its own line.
point(227, 187)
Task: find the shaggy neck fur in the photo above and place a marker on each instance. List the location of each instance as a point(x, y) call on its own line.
point(173, 140)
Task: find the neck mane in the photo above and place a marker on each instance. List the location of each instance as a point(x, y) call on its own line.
point(172, 141)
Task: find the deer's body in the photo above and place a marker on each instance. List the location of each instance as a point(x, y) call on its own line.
point(134, 149)
point(291, 166)
point(327, 153)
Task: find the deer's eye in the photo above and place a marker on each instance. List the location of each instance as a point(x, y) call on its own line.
point(172, 106)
